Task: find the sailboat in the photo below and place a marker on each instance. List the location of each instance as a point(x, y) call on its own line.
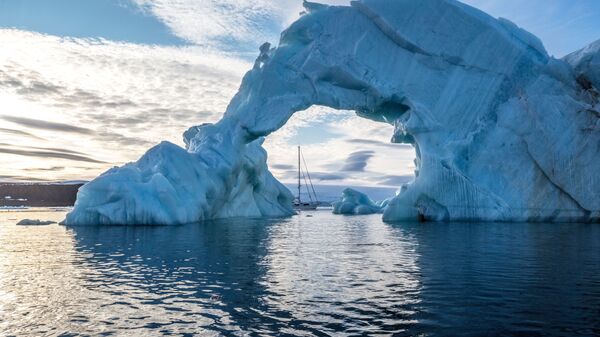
point(312, 203)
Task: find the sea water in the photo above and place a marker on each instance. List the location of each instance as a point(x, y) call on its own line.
point(313, 274)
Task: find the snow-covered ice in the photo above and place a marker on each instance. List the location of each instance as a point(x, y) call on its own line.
point(502, 131)
point(586, 63)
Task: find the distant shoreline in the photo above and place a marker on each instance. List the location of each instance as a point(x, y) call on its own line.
point(64, 194)
point(38, 194)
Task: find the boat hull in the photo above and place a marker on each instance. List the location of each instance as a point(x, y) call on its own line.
point(305, 207)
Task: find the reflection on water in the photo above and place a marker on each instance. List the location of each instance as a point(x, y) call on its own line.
point(341, 274)
point(323, 275)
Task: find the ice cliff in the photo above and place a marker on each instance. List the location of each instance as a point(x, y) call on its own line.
point(503, 131)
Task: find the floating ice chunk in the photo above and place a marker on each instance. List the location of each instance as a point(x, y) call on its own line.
point(29, 222)
point(355, 202)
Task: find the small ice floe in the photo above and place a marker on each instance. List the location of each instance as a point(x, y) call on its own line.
point(8, 197)
point(10, 208)
point(29, 222)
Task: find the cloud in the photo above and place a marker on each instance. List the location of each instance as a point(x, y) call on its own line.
point(17, 178)
point(357, 161)
point(46, 125)
point(227, 24)
point(45, 149)
point(282, 167)
point(327, 176)
point(230, 25)
point(19, 133)
point(114, 99)
point(378, 143)
point(395, 180)
point(292, 175)
point(33, 86)
point(50, 154)
point(53, 168)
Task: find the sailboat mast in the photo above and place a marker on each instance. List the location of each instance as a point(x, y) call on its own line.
point(299, 186)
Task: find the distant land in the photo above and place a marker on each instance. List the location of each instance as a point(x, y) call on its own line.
point(38, 194)
point(64, 194)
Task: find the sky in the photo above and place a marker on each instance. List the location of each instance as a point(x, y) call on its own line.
point(88, 85)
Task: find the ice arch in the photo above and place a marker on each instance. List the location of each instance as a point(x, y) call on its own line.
point(503, 131)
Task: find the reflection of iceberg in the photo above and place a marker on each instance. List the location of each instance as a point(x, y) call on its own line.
point(345, 276)
point(257, 277)
point(183, 279)
point(502, 130)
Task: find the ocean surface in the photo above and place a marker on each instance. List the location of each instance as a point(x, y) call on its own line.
point(315, 274)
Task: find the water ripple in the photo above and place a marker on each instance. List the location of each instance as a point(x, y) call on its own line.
point(306, 276)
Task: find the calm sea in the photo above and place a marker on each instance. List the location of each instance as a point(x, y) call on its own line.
point(315, 274)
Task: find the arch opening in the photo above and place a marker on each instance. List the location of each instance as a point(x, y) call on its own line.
point(343, 149)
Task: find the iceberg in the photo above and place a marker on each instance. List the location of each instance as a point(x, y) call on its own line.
point(30, 222)
point(586, 63)
point(354, 202)
point(502, 131)
point(169, 185)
